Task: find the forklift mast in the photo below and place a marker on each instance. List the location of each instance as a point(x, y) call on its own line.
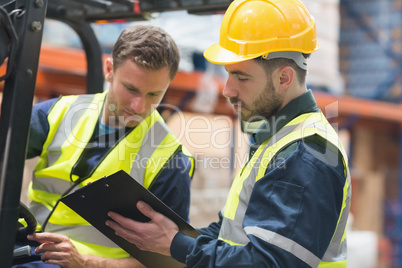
point(21, 29)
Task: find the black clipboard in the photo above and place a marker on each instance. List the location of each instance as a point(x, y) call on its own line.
point(120, 193)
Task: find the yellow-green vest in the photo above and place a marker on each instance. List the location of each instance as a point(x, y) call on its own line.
point(142, 153)
point(232, 231)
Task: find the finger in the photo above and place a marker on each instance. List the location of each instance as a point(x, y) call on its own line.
point(52, 247)
point(54, 258)
point(146, 209)
point(126, 227)
point(128, 234)
point(116, 217)
point(114, 225)
point(45, 247)
point(155, 216)
point(46, 237)
point(124, 222)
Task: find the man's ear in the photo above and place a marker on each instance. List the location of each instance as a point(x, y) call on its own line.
point(286, 75)
point(108, 69)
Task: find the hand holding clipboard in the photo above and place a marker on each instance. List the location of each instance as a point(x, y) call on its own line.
point(120, 193)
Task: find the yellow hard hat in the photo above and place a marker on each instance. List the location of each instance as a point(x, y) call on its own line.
point(254, 28)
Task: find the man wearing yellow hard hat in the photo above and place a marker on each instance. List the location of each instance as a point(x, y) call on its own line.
point(289, 204)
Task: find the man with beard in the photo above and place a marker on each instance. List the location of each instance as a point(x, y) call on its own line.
point(289, 204)
point(80, 139)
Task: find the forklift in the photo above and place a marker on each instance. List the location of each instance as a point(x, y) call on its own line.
point(21, 29)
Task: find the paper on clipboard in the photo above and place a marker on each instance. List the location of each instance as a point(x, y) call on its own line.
point(120, 193)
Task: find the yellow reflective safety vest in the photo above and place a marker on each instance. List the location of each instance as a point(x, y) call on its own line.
point(232, 230)
point(142, 153)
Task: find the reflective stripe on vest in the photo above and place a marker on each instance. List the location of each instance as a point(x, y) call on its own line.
point(76, 110)
point(142, 153)
point(159, 131)
point(231, 229)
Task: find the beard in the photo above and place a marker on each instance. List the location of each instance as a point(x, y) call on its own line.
point(266, 105)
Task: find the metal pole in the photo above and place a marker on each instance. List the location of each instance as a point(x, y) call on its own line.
point(399, 249)
point(91, 46)
point(16, 108)
point(93, 54)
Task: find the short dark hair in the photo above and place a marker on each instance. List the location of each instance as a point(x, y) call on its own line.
point(272, 64)
point(148, 46)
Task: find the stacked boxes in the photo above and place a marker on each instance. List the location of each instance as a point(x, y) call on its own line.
point(371, 48)
point(324, 64)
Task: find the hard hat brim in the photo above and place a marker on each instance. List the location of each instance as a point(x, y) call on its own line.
point(219, 55)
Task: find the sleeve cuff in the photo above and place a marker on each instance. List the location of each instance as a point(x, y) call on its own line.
point(180, 245)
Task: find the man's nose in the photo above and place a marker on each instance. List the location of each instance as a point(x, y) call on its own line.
point(229, 91)
point(138, 104)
